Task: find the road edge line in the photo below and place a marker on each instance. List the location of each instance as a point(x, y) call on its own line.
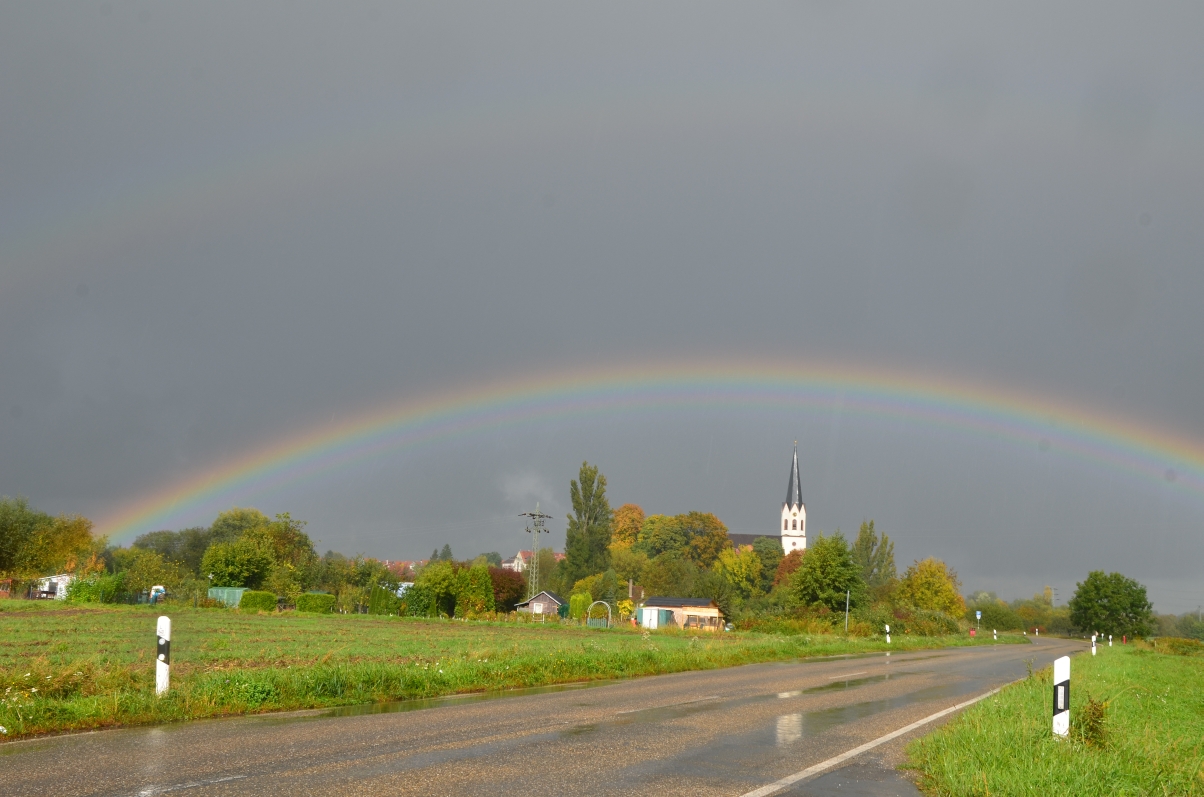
point(790, 780)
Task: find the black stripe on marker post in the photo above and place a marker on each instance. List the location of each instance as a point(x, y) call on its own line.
point(1061, 701)
point(164, 651)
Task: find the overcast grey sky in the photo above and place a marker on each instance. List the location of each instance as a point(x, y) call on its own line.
point(224, 224)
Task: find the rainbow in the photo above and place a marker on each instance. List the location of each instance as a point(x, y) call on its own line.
point(1029, 420)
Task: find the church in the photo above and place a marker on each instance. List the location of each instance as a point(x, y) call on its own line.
point(793, 531)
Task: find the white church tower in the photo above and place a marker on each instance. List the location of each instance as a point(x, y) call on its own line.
point(794, 512)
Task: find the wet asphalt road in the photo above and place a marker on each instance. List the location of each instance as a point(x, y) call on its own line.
point(722, 732)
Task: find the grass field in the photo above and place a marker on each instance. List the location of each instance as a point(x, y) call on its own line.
point(1148, 738)
point(68, 667)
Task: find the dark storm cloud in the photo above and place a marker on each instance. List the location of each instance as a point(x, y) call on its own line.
point(220, 224)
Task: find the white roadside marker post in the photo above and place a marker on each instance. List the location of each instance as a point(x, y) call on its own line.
point(888, 635)
point(1061, 702)
point(1093, 644)
point(995, 634)
point(163, 659)
point(1109, 640)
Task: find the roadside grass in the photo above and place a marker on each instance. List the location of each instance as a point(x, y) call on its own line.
point(65, 667)
point(1137, 728)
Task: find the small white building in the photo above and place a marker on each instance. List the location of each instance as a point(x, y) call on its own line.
point(55, 586)
point(690, 613)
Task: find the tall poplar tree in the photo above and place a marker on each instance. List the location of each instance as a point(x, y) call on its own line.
point(587, 539)
point(875, 556)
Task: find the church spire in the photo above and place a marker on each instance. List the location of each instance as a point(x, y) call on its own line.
point(794, 490)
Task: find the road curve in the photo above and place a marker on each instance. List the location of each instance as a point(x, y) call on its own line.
point(719, 732)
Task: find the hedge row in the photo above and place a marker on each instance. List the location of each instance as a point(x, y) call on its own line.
point(315, 602)
point(254, 600)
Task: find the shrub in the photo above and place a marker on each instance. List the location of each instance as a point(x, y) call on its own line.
point(1177, 646)
point(382, 601)
point(255, 600)
point(314, 602)
point(97, 589)
point(578, 604)
point(418, 601)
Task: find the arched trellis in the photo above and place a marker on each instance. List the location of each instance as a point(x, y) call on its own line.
point(609, 620)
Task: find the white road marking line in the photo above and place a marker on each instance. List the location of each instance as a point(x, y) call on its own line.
point(790, 780)
point(150, 791)
point(847, 675)
point(669, 705)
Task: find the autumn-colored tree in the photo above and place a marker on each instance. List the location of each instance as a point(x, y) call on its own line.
point(742, 569)
point(475, 594)
point(509, 588)
point(697, 536)
point(707, 535)
point(786, 567)
point(629, 519)
point(933, 585)
point(32, 543)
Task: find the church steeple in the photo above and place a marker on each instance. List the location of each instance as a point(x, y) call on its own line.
point(794, 490)
point(794, 511)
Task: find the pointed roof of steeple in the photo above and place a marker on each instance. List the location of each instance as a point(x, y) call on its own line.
point(794, 490)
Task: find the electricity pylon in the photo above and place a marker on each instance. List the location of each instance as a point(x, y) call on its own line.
point(535, 529)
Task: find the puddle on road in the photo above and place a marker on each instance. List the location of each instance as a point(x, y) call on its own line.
point(418, 704)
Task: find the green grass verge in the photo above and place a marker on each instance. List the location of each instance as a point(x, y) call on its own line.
point(1149, 737)
point(66, 667)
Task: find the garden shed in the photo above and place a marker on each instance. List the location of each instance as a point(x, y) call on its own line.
point(693, 613)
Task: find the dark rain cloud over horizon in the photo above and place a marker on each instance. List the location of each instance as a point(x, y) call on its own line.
point(223, 224)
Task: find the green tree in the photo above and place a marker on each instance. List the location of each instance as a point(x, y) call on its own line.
point(442, 582)
point(629, 564)
point(235, 522)
point(144, 569)
point(1111, 604)
point(670, 575)
point(445, 555)
point(185, 547)
point(474, 594)
point(827, 572)
point(661, 534)
point(742, 569)
point(550, 567)
point(587, 538)
point(769, 550)
point(492, 558)
point(933, 585)
point(245, 562)
point(875, 556)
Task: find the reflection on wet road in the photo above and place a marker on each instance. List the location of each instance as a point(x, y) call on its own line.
point(721, 732)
